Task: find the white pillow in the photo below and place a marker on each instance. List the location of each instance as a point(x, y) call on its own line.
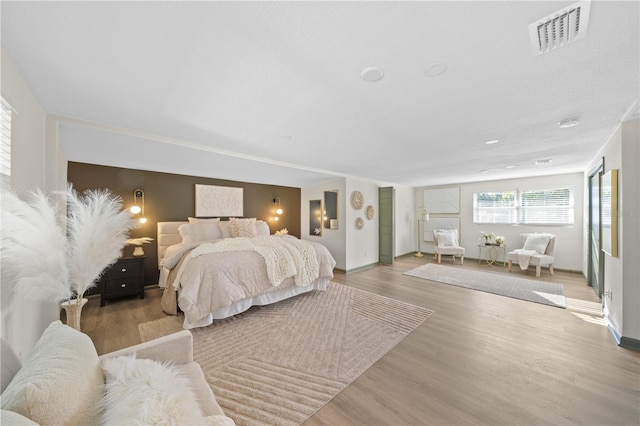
point(262, 228)
point(225, 228)
point(61, 381)
point(194, 232)
point(143, 391)
point(243, 227)
point(447, 239)
point(202, 220)
point(537, 242)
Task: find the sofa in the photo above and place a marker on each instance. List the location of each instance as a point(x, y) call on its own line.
point(63, 381)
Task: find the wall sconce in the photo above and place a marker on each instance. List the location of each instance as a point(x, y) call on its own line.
point(276, 202)
point(138, 207)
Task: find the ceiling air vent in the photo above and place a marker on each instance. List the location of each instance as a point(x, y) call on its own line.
point(560, 28)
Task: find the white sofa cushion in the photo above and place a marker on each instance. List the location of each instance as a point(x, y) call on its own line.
point(61, 382)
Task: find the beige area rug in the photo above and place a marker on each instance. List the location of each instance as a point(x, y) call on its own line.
point(279, 364)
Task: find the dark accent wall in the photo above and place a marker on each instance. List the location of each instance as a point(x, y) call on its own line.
point(170, 197)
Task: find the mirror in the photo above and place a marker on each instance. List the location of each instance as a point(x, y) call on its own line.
point(315, 217)
point(330, 217)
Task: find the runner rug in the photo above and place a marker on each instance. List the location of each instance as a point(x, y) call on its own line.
point(279, 364)
point(519, 288)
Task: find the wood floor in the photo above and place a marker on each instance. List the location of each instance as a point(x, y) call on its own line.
point(479, 359)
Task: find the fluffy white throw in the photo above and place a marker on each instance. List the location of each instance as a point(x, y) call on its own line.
point(284, 256)
point(523, 257)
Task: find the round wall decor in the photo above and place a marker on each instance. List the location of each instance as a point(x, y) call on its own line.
point(359, 223)
point(371, 212)
point(357, 200)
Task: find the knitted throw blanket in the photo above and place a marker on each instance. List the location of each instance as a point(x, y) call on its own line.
point(523, 257)
point(284, 256)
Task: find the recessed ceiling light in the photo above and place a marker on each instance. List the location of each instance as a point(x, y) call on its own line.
point(491, 142)
point(435, 69)
point(569, 122)
point(542, 162)
point(509, 167)
point(371, 74)
point(286, 137)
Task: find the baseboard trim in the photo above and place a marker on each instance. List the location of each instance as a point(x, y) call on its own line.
point(612, 329)
point(361, 268)
point(630, 343)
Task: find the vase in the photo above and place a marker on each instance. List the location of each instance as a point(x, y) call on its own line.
point(138, 251)
point(74, 312)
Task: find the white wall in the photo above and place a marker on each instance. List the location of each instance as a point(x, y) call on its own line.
point(569, 253)
point(404, 219)
point(362, 244)
point(36, 162)
point(622, 273)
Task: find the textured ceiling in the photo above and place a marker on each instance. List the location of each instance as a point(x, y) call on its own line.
point(271, 91)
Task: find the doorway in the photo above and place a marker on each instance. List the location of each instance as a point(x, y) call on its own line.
point(595, 273)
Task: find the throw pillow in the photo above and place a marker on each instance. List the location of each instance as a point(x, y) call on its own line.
point(262, 228)
point(225, 228)
point(144, 391)
point(447, 239)
point(61, 381)
point(243, 227)
point(194, 232)
point(537, 242)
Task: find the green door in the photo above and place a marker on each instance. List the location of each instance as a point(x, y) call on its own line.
point(386, 223)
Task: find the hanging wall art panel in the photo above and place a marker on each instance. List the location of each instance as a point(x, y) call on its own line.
point(218, 201)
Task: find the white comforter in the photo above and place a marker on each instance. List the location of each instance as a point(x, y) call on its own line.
point(209, 279)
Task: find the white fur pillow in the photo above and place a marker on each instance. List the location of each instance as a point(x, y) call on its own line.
point(447, 239)
point(537, 242)
point(143, 391)
point(193, 232)
point(243, 227)
point(60, 383)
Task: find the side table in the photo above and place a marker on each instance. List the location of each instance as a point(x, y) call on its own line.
point(491, 253)
point(123, 278)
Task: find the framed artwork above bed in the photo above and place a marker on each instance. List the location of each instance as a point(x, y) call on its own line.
point(216, 201)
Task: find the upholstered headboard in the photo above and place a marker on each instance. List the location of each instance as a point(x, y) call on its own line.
point(168, 235)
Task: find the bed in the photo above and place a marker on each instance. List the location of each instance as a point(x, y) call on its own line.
point(214, 269)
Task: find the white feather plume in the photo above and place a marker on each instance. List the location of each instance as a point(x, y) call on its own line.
point(51, 256)
point(97, 230)
point(34, 247)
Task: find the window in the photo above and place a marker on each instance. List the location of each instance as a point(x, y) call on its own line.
point(495, 207)
point(547, 207)
point(531, 207)
point(5, 144)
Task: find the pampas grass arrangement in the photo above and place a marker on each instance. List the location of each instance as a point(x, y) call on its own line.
point(52, 256)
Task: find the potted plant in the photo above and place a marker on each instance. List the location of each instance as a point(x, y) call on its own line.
point(487, 237)
point(52, 255)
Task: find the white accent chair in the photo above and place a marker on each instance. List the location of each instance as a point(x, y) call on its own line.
point(538, 260)
point(445, 241)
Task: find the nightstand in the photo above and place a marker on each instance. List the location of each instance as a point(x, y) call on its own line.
point(123, 278)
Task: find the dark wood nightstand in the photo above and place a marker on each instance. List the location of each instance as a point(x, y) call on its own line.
point(123, 278)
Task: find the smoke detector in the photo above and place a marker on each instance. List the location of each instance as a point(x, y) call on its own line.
point(560, 28)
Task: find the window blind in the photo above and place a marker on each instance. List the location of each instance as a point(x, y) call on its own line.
point(495, 207)
point(531, 207)
point(5, 143)
point(547, 207)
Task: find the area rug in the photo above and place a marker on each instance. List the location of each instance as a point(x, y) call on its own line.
point(519, 288)
point(279, 364)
